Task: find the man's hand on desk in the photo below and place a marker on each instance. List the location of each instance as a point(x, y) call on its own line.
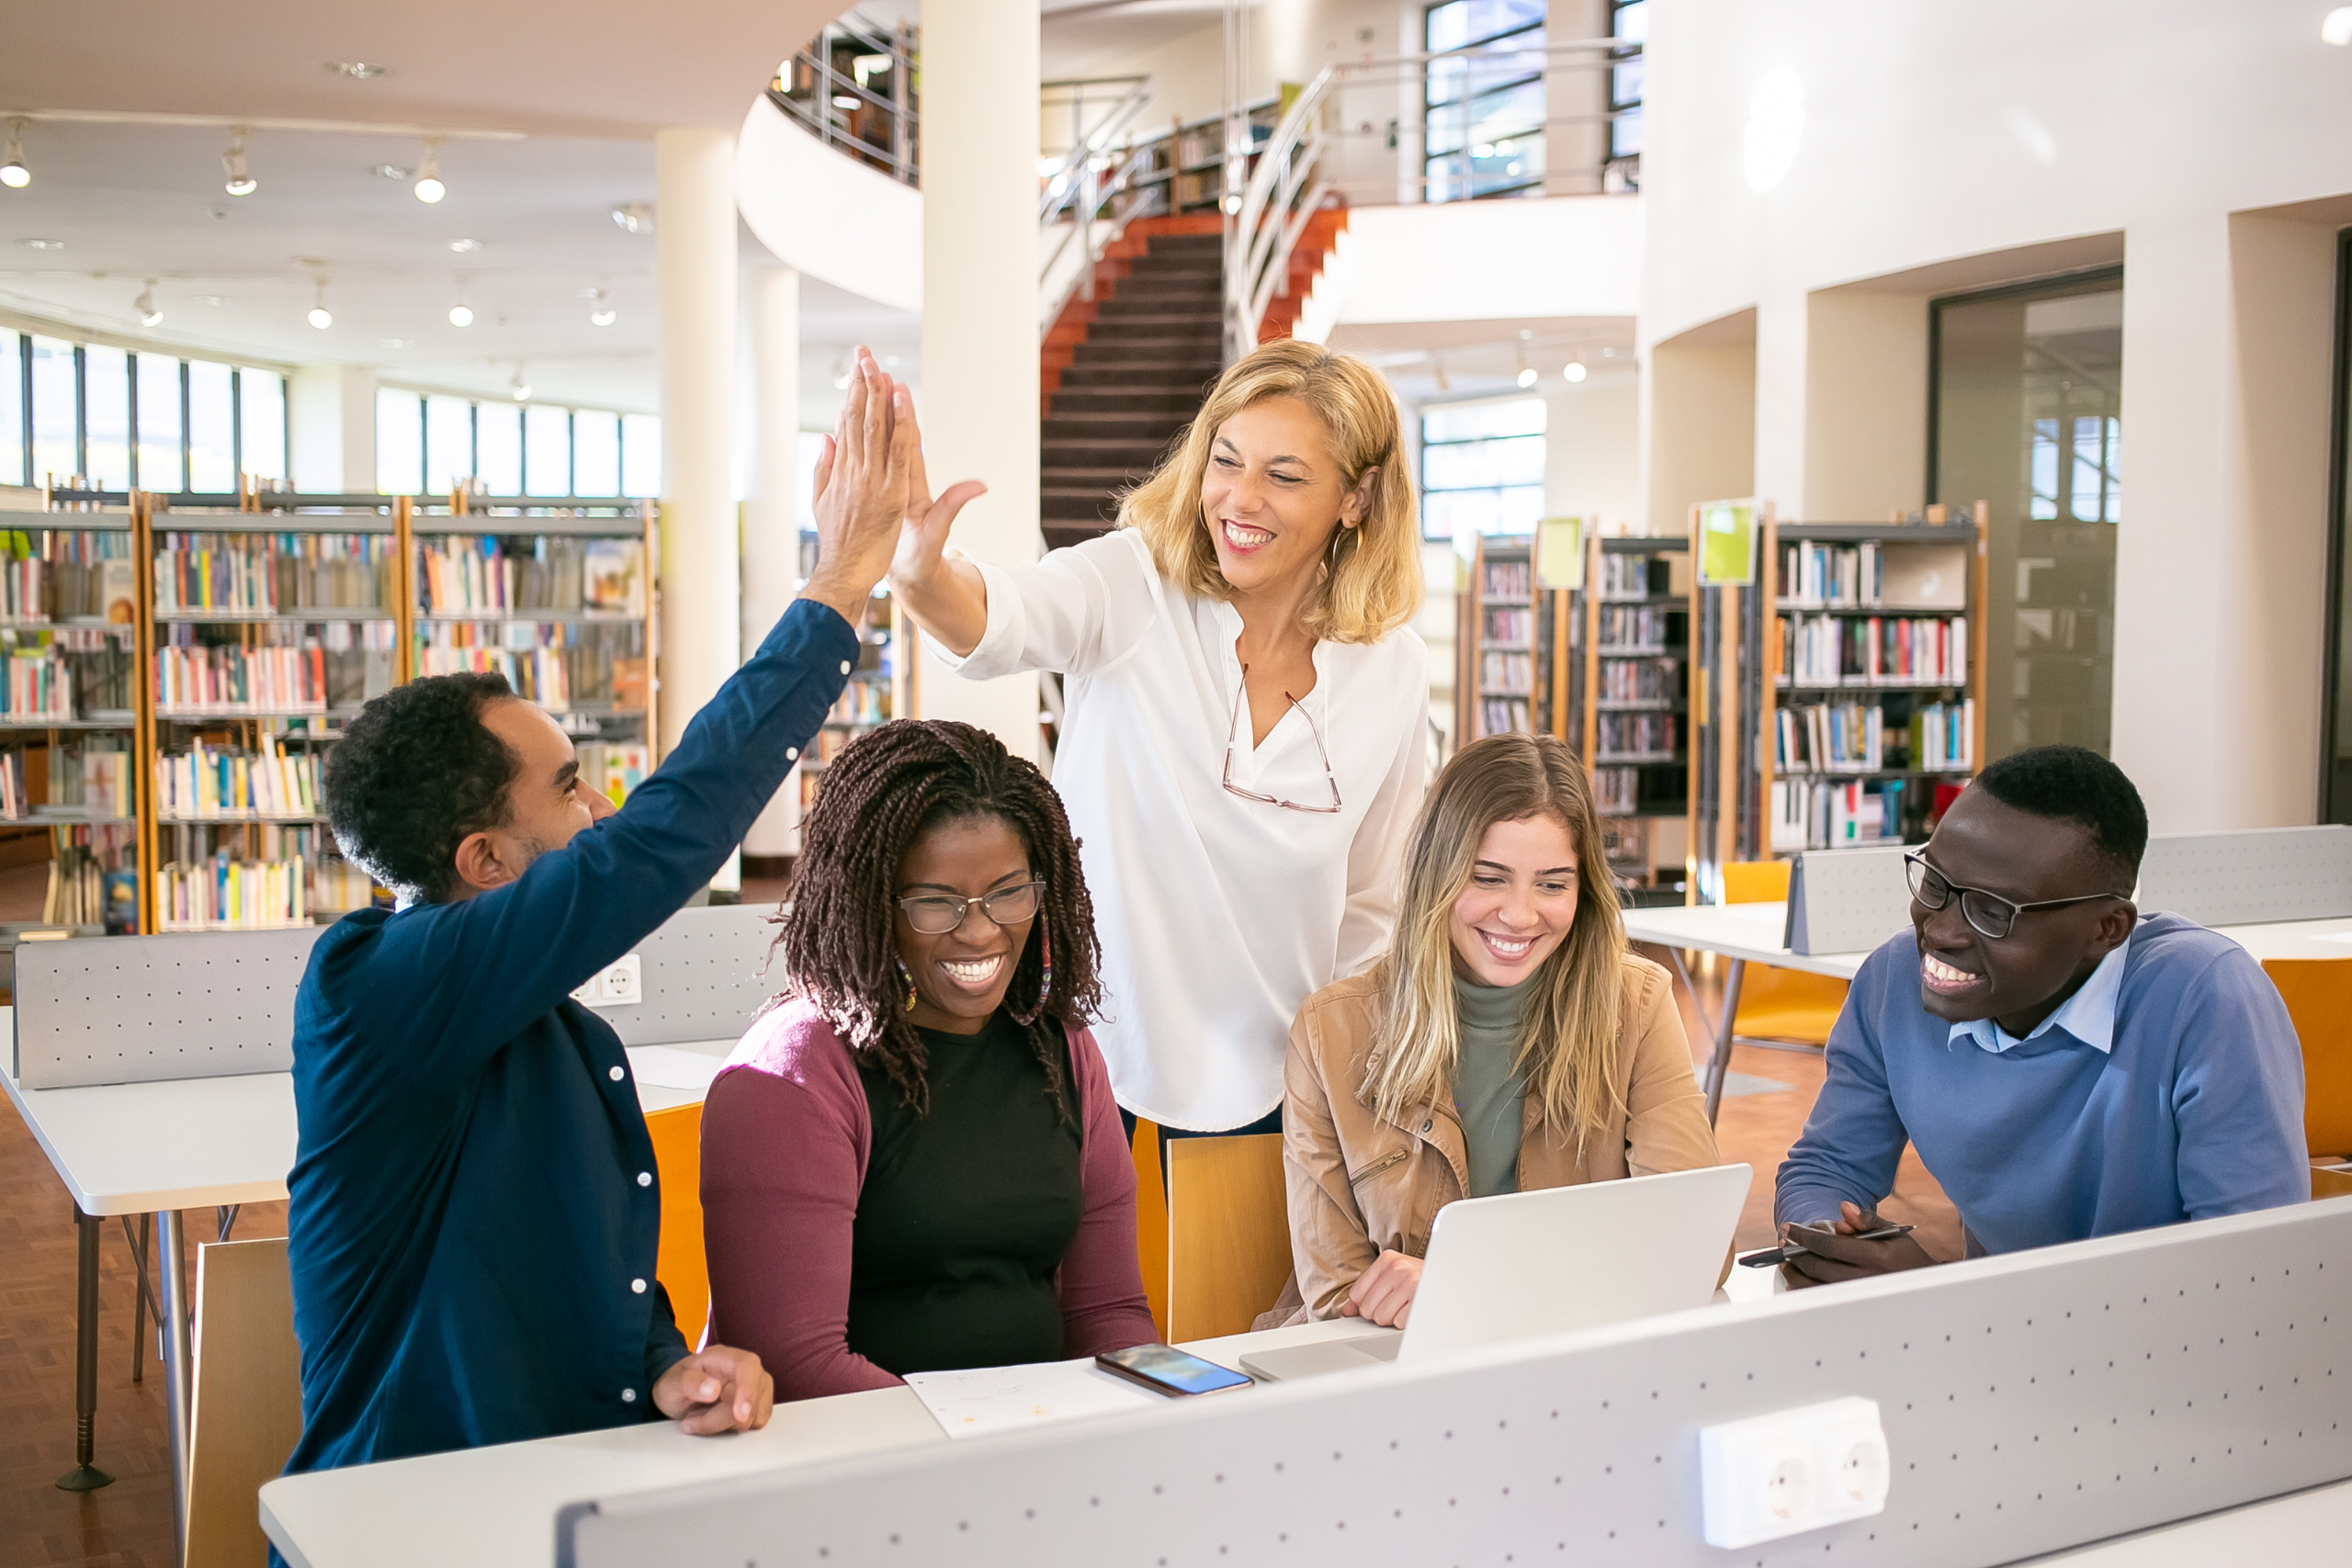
point(715, 1390)
point(863, 478)
point(1382, 1294)
point(1845, 1249)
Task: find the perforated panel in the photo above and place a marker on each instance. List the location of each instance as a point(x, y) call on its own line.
point(2269, 874)
point(2031, 1403)
point(706, 974)
point(1847, 900)
point(144, 1008)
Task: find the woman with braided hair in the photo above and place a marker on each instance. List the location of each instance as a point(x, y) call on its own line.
point(912, 1162)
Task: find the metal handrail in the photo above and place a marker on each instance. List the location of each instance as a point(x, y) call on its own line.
point(1078, 189)
point(901, 160)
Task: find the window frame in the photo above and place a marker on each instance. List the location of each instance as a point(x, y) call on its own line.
point(1422, 446)
point(1466, 50)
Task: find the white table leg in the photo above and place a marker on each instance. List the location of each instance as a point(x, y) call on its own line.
point(177, 1363)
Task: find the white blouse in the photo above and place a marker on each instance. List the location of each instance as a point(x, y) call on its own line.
point(1218, 916)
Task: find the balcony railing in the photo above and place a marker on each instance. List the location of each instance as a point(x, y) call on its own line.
point(853, 88)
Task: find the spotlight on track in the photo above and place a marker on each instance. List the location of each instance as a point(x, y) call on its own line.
point(1575, 371)
point(145, 305)
point(429, 189)
point(232, 163)
point(601, 312)
point(13, 173)
point(320, 317)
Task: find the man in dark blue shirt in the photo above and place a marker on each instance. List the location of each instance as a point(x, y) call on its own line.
point(474, 1209)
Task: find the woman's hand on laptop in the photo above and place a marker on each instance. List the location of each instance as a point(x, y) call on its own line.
point(1382, 1294)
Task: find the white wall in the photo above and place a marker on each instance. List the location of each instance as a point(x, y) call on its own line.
point(1946, 147)
point(824, 213)
point(1559, 256)
point(1592, 450)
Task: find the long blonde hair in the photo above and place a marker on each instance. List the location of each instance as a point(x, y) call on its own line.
point(1568, 1051)
point(1372, 583)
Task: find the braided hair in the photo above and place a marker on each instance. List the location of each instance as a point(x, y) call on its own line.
point(839, 938)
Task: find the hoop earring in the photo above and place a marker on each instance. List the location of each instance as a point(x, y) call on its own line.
point(907, 980)
point(1046, 983)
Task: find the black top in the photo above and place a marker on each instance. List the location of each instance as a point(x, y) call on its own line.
point(966, 1212)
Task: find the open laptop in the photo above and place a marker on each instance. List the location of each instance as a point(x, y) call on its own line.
point(1525, 1264)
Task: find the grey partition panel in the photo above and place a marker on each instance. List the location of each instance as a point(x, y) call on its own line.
point(2245, 878)
point(706, 974)
point(142, 1009)
point(1847, 900)
point(2030, 1402)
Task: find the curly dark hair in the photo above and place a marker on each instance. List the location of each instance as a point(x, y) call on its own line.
point(414, 773)
point(838, 942)
point(2069, 784)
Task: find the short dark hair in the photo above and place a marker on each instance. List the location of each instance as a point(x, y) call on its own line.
point(2069, 784)
point(414, 773)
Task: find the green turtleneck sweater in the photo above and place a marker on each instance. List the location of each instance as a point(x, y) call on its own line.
point(1488, 1089)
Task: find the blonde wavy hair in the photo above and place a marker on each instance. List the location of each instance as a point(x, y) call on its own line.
point(1372, 581)
point(1568, 1052)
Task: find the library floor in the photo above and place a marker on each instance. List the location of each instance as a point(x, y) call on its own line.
point(128, 1525)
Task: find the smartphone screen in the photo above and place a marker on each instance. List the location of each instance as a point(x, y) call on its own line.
point(1165, 1367)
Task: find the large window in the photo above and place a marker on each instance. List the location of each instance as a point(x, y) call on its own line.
point(1482, 468)
point(1485, 102)
point(427, 443)
point(123, 420)
point(2028, 416)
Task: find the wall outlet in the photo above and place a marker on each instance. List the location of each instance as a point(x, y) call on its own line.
point(1791, 1470)
point(620, 983)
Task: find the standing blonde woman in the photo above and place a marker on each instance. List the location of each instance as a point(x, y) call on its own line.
point(1244, 743)
point(1508, 1041)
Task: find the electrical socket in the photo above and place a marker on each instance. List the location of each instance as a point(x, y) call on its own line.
point(620, 983)
point(1791, 1470)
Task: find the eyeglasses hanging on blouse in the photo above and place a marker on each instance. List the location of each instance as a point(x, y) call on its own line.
point(1232, 738)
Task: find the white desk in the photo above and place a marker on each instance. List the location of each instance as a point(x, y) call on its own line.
point(195, 1143)
point(1751, 933)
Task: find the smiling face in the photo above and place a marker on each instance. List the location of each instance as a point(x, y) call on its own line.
point(1520, 901)
point(2023, 978)
point(960, 976)
point(1273, 495)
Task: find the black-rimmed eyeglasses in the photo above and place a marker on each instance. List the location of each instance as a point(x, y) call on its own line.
point(1988, 913)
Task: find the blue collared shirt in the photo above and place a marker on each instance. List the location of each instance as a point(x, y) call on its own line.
point(475, 1210)
point(2088, 1015)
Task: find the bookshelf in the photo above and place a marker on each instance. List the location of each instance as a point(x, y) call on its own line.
point(1848, 698)
point(1633, 700)
point(881, 686)
point(1183, 170)
point(1507, 632)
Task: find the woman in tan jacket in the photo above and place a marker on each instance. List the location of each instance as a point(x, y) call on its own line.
point(1507, 1041)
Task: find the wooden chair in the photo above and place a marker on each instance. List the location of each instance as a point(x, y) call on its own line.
point(245, 1411)
point(2318, 994)
point(1151, 1222)
point(1229, 1234)
point(679, 1265)
point(1779, 1004)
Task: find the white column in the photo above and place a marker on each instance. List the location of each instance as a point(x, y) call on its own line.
point(331, 409)
point(694, 258)
point(979, 310)
point(771, 520)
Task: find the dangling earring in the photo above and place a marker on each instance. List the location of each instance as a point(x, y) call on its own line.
point(1046, 983)
point(909, 981)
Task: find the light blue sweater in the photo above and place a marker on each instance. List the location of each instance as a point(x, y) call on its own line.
point(2196, 1110)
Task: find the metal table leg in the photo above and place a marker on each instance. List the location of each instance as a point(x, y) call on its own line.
point(85, 1476)
point(1719, 1064)
point(176, 1364)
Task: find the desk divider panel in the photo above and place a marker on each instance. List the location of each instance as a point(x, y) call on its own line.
point(151, 1009)
point(2249, 877)
point(2031, 1403)
point(1846, 900)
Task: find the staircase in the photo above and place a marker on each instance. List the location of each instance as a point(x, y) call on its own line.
point(1124, 374)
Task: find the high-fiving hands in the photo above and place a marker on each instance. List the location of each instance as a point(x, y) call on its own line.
point(864, 476)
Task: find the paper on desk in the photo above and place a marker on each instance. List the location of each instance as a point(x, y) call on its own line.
point(991, 1399)
point(666, 1066)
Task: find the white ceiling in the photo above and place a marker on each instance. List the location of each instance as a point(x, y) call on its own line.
point(1432, 360)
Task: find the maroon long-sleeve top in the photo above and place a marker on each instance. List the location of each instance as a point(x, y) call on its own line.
point(786, 1137)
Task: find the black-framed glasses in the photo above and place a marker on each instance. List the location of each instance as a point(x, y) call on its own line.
point(1233, 738)
point(936, 914)
point(1987, 912)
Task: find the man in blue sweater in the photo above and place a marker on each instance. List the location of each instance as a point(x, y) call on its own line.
point(2067, 1067)
point(474, 1209)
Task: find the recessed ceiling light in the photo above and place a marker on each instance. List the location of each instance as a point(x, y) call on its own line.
point(42, 245)
point(389, 171)
point(461, 314)
point(358, 70)
point(463, 245)
point(1575, 371)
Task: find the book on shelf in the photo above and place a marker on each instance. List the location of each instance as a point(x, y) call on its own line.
point(1644, 736)
point(92, 877)
point(1499, 715)
point(223, 894)
point(200, 678)
point(221, 781)
point(612, 575)
point(1632, 629)
point(1515, 626)
point(1506, 674)
point(1616, 791)
point(1655, 680)
point(466, 574)
point(1943, 736)
point(263, 574)
point(613, 769)
point(40, 687)
point(1509, 579)
point(1873, 572)
point(1833, 650)
point(1825, 813)
point(1631, 576)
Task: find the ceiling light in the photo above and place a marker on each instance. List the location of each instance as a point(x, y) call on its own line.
point(232, 163)
point(601, 313)
point(636, 217)
point(462, 246)
point(358, 70)
point(2336, 27)
point(1576, 371)
point(42, 245)
point(847, 100)
point(1607, 353)
point(461, 314)
point(390, 170)
point(521, 387)
point(320, 317)
point(1527, 376)
point(145, 305)
point(429, 189)
point(13, 173)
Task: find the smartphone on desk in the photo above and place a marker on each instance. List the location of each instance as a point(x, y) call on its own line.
point(1166, 1370)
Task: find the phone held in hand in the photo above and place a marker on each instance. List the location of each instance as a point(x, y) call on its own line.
point(1167, 1369)
point(1775, 1254)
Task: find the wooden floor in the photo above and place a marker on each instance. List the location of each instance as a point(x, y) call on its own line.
point(128, 1525)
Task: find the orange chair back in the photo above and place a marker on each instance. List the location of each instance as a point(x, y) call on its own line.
point(1779, 1004)
point(1755, 881)
point(2318, 993)
point(677, 1161)
point(1151, 1222)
